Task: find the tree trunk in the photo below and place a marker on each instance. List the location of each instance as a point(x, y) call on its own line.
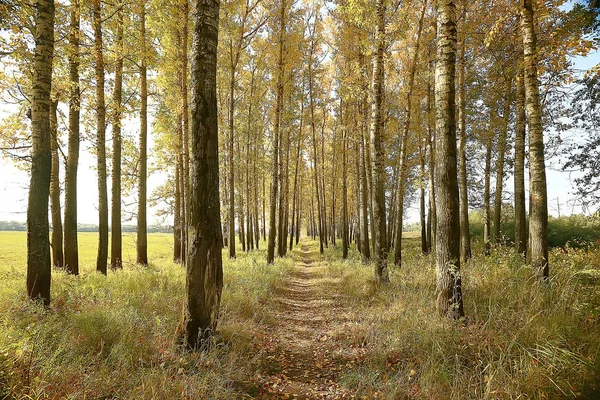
point(424, 247)
point(538, 220)
point(295, 200)
point(185, 170)
point(449, 290)
point(57, 230)
point(204, 279)
point(177, 218)
point(364, 194)
point(142, 234)
point(39, 266)
point(403, 151)
point(465, 237)
point(486, 189)
point(116, 247)
point(71, 247)
point(315, 152)
point(500, 164)
point(276, 128)
point(377, 129)
point(231, 165)
point(431, 137)
point(345, 241)
point(519, 180)
point(102, 259)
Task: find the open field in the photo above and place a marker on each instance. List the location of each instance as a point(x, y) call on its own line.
point(311, 326)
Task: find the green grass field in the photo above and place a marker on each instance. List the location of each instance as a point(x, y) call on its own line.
point(114, 336)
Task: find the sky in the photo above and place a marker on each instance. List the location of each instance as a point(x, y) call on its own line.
point(14, 183)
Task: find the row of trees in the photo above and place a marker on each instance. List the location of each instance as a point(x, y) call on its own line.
point(334, 106)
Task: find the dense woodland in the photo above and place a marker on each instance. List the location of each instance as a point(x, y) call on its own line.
point(276, 120)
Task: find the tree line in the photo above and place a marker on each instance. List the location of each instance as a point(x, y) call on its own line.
point(345, 111)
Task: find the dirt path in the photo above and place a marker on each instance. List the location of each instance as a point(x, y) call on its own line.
point(300, 360)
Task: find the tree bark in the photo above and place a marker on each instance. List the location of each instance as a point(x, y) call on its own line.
point(185, 132)
point(432, 220)
point(39, 267)
point(465, 236)
point(70, 234)
point(276, 127)
point(142, 234)
point(405, 132)
point(116, 247)
point(102, 258)
point(500, 164)
point(377, 127)
point(57, 229)
point(519, 180)
point(204, 278)
point(345, 241)
point(449, 287)
point(538, 220)
point(486, 188)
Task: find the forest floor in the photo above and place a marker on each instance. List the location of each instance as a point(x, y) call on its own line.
point(300, 358)
point(309, 326)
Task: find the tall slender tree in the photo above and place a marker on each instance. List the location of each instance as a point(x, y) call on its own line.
point(204, 278)
point(519, 180)
point(465, 236)
point(70, 234)
point(57, 229)
point(102, 257)
point(142, 232)
point(449, 286)
point(116, 240)
point(38, 246)
point(538, 220)
point(276, 130)
point(377, 125)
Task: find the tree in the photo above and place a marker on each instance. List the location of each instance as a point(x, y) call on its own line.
point(377, 126)
point(116, 240)
point(142, 232)
point(519, 180)
point(57, 230)
point(449, 286)
point(538, 220)
point(70, 234)
point(204, 278)
point(276, 129)
point(100, 143)
point(38, 245)
point(465, 237)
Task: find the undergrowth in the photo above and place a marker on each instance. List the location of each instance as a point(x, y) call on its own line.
point(522, 338)
point(114, 336)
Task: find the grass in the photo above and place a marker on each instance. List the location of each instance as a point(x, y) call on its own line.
point(114, 337)
point(522, 338)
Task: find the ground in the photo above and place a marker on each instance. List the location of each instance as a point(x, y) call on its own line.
point(311, 326)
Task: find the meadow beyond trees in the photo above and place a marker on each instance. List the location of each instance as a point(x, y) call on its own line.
point(319, 199)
